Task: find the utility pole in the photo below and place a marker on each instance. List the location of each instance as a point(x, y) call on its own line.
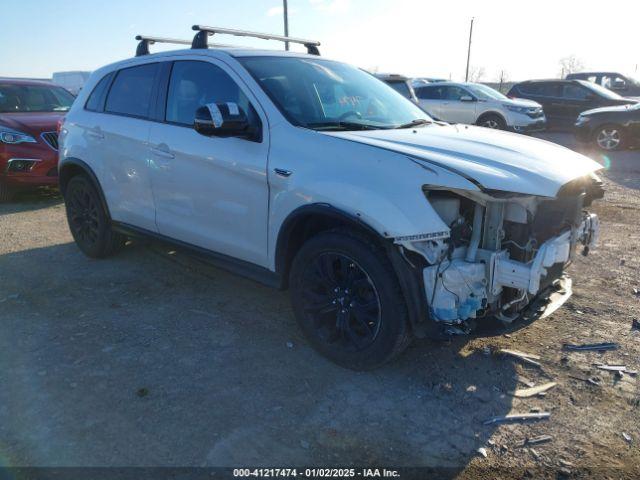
point(466, 77)
point(286, 23)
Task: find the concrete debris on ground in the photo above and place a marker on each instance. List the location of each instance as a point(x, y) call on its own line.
point(590, 380)
point(518, 417)
point(530, 392)
point(528, 358)
point(592, 346)
point(525, 381)
point(536, 440)
point(615, 368)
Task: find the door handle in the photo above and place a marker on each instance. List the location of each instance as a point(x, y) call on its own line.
point(162, 153)
point(95, 134)
point(282, 172)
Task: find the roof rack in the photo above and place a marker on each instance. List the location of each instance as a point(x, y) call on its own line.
point(143, 46)
point(200, 38)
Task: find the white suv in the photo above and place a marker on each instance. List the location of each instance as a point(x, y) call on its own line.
point(477, 104)
point(309, 174)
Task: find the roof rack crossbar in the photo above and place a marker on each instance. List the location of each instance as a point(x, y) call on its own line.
point(145, 41)
point(200, 39)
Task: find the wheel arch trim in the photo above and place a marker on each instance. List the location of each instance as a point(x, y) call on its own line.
point(409, 276)
point(70, 164)
point(489, 113)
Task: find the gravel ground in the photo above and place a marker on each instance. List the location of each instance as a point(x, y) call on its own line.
point(151, 358)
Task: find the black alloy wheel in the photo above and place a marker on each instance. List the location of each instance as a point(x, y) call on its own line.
point(342, 302)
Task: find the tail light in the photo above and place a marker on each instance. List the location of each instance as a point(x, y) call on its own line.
point(60, 124)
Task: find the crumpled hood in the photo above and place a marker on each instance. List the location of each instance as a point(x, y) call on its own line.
point(494, 159)
point(31, 123)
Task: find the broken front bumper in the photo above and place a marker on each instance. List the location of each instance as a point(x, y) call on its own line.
point(457, 290)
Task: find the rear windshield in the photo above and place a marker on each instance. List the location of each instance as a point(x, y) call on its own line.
point(34, 98)
point(401, 87)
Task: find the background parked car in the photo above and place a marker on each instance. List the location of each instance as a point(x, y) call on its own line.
point(623, 85)
point(29, 115)
point(399, 83)
point(610, 128)
point(564, 100)
point(474, 103)
point(420, 81)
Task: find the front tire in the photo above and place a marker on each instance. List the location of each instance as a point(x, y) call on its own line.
point(492, 121)
point(89, 223)
point(347, 300)
point(609, 138)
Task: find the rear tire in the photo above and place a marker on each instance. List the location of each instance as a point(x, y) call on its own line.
point(89, 223)
point(492, 121)
point(347, 300)
point(609, 138)
point(6, 194)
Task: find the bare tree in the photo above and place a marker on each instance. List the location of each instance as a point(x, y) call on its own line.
point(476, 73)
point(570, 64)
point(502, 78)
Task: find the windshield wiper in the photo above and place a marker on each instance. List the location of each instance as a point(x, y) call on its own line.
point(344, 126)
point(415, 123)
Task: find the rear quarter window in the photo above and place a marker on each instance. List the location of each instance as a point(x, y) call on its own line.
point(95, 102)
point(131, 91)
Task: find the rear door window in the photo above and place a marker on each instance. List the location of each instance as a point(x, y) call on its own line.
point(546, 89)
point(575, 92)
point(429, 93)
point(131, 91)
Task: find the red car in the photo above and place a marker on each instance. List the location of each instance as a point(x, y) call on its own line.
point(29, 115)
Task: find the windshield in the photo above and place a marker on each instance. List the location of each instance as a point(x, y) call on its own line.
point(600, 90)
point(485, 93)
point(34, 98)
point(328, 95)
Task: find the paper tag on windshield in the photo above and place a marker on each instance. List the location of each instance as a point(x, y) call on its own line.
point(233, 108)
point(216, 114)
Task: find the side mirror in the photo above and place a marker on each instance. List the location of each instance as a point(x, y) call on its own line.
point(222, 120)
point(466, 98)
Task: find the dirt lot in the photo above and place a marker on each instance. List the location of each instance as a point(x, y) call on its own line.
point(151, 358)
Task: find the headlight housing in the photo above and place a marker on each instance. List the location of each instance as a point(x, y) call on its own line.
point(517, 109)
point(582, 119)
point(13, 137)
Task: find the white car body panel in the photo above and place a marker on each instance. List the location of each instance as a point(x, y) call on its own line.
point(212, 192)
point(497, 160)
point(232, 196)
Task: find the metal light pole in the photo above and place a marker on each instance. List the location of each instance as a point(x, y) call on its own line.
point(466, 77)
point(286, 23)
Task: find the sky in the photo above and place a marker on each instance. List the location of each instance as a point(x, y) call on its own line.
point(413, 37)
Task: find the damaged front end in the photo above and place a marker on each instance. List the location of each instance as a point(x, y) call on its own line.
point(502, 250)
